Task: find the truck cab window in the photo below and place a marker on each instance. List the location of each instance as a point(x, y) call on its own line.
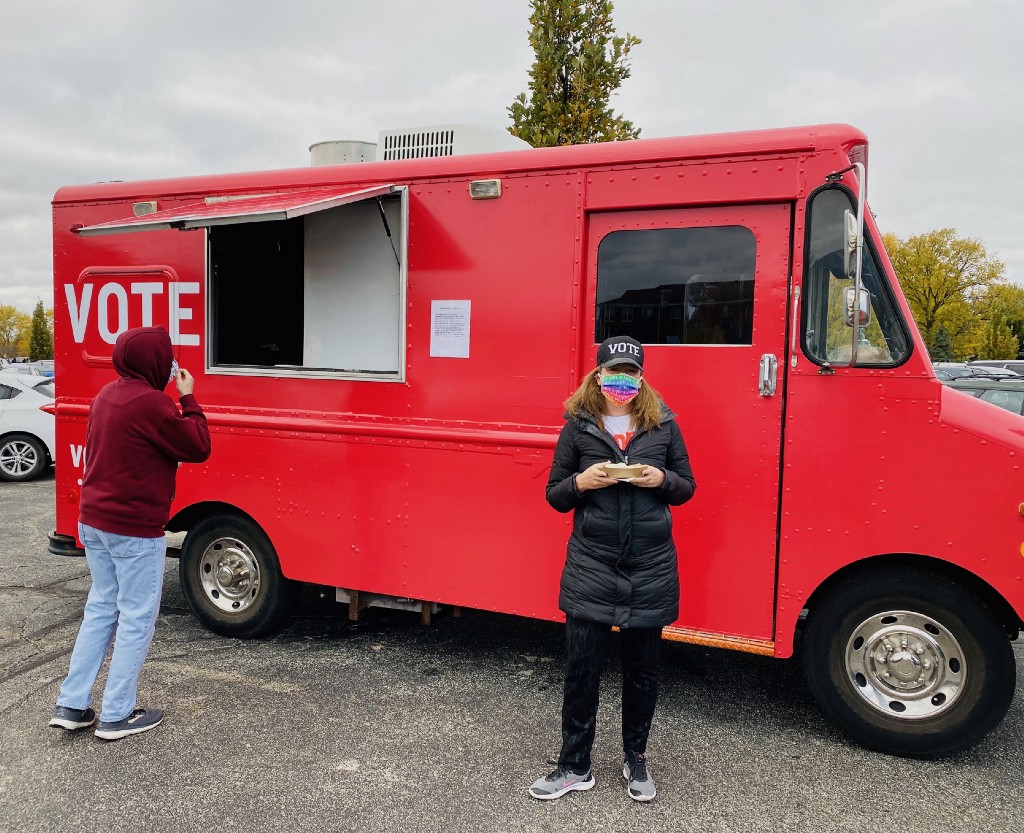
point(827, 338)
point(320, 294)
point(677, 285)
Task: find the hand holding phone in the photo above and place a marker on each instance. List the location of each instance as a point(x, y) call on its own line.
point(184, 382)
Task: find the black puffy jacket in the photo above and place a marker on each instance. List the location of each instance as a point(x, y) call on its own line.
point(620, 565)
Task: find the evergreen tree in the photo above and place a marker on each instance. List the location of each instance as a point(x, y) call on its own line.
point(40, 345)
point(942, 349)
point(579, 63)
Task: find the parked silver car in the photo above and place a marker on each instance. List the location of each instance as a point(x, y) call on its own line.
point(1005, 394)
point(961, 370)
point(20, 368)
point(1016, 365)
point(44, 366)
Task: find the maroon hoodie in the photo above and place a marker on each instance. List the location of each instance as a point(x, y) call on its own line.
point(136, 438)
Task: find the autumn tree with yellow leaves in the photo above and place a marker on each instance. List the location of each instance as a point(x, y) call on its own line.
point(958, 295)
point(15, 326)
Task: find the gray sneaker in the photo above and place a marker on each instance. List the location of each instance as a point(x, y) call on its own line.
point(140, 720)
point(559, 782)
point(65, 717)
point(639, 781)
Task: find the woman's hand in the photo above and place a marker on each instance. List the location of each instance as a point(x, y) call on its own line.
point(594, 478)
point(650, 478)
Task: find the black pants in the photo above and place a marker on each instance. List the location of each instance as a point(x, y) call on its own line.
point(586, 648)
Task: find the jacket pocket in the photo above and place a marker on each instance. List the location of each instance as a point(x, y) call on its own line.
point(585, 512)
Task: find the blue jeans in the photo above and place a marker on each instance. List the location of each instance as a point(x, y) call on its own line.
point(127, 581)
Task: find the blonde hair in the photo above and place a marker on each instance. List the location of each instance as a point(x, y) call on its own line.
point(588, 399)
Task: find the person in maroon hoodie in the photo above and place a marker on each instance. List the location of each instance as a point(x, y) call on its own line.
point(135, 440)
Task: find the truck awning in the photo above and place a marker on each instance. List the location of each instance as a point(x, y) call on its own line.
point(248, 208)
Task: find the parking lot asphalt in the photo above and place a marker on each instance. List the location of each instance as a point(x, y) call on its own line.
point(387, 725)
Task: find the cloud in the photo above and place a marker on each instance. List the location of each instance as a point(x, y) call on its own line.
point(116, 89)
point(827, 94)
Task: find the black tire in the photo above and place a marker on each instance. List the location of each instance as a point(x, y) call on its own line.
point(22, 458)
point(908, 663)
point(232, 580)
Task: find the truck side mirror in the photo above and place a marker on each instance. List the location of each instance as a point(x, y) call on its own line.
point(851, 237)
point(863, 308)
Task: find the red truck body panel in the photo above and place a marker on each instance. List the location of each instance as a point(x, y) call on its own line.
point(430, 485)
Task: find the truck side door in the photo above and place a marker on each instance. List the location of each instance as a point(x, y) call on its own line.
point(705, 290)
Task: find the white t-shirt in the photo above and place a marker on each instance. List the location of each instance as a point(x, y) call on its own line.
point(621, 429)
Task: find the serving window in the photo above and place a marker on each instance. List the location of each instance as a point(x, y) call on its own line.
point(319, 294)
point(300, 282)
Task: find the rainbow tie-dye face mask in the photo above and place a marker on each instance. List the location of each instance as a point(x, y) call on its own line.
point(620, 388)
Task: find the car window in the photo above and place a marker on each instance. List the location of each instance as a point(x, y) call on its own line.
point(46, 389)
point(7, 392)
point(1011, 400)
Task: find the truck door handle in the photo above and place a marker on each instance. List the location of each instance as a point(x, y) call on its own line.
point(769, 375)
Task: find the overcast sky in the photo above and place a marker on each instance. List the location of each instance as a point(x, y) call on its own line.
point(111, 89)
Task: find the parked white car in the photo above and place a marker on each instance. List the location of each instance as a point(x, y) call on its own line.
point(26, 431)
point(23, 368)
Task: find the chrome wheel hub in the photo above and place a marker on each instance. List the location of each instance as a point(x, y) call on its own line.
point(229, 574)
point(906, 664)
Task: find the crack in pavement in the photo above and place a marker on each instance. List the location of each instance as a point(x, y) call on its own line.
point(43, 631)
point(33, 664)
point(48, 587)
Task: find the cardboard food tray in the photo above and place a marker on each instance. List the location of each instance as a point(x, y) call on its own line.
point(623, 471)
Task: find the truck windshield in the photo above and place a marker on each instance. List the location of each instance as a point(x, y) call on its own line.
point(827, 338)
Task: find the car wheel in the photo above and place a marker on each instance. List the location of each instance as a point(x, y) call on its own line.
point(21, 458)
point(232, 580)
point(908, 663)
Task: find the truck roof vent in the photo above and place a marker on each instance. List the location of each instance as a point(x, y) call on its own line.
point(402, 144)
point(443, 140)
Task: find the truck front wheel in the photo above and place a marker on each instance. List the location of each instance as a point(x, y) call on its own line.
point(232, 580)
point(908, 663)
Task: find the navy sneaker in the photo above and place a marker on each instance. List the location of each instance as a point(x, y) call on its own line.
point(71, 719)
point(140, 720)
point(639, 781)
point(559, 782)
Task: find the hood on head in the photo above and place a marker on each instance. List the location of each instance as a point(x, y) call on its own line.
point(144, 353)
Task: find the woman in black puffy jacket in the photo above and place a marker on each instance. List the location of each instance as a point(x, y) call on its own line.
point(620, 566)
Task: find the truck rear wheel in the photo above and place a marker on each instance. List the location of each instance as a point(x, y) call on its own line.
point(908, 663)
point(232, 580)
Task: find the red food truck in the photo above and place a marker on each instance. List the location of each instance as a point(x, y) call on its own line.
point(383, 350)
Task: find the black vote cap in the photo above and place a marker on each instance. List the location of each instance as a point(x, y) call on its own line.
point(620, 350)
